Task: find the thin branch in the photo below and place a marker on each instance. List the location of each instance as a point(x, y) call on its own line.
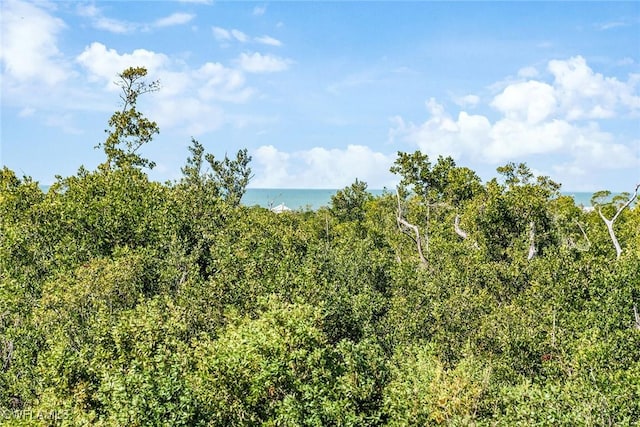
point(631, 199)
point(456, 226)
point(585, 238)
point(609, 222)
point(405, 226)
point(532, 242)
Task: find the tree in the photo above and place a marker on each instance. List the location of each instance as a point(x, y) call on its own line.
point(443, 186)
point(518, 212)
point(348, 204)
point(130, 130)
point(231, 176)
point(597, 200)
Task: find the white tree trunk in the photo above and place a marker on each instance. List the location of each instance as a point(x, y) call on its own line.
point(459, 231)
point(405, 226)
point(532, 241)
point(609, 222)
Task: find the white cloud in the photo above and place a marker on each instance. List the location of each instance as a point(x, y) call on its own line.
point(321, 167)
point(30, 55)
point(258, 63)
point(104, 64)
point(239, 35)
point(268, 41)
point(584, 94)
point(194, 115)
point(217, 82)
point(118, 26)
point(272, 166)
point(610, 25)
point(532, 101)
point(174, 19)
point(467, 100)
point(101, 22)
point(528, 72)
point(187, 97)
point(537, 118)
point(114, 25)
point(226, 35)
point(221, 34)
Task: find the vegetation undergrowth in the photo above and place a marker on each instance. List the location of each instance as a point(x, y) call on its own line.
point(449, 302)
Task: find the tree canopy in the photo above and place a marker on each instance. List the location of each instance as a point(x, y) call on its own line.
point(125, 301)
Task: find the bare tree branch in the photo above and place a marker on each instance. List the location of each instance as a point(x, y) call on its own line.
point(609, 222)
point(456, 226)
point(532, 241)
point(405, 228)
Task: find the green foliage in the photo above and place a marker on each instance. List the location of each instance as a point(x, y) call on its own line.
point(130, 130)
point(130, 302)
point(231, 176)
point(228, 178)
point(348, 204)
point(442, 182)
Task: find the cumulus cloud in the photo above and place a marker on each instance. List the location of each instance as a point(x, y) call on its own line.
point(189, 98)
point(536, 118)
point(259, 63)
point(585, 94)
point(530, 101)
point(320, 167)
point(221, 83)
point(104, 64)
point(30, 55)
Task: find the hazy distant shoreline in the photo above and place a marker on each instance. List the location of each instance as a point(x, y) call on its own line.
point(316, 198)
point(313, 198)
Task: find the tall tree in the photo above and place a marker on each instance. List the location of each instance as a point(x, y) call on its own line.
point(129, 129)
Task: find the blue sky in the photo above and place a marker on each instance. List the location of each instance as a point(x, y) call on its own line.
point(322, 93)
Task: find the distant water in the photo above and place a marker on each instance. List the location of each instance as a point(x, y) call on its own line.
point(314, 199)
point(292, 198)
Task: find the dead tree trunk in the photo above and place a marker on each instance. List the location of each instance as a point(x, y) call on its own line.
point(586, 248)
point(609, 222)
point(532, 241)
point(410, 230)
point(456, 226)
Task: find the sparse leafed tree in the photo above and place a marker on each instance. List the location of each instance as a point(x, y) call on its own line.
point(443, 185)
point(231, 175)
point(227, 178)
point(129, 129)
point(621, 202)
